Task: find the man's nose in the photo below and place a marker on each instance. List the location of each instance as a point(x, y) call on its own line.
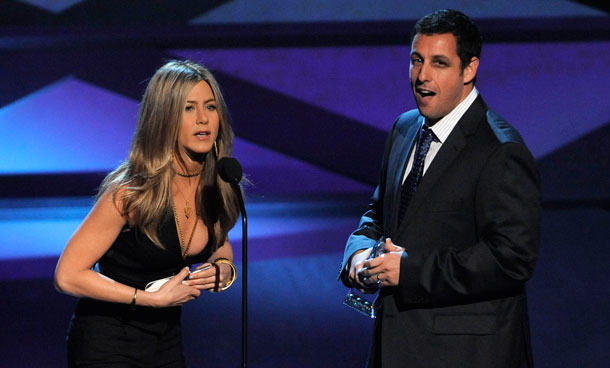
point(423, 74)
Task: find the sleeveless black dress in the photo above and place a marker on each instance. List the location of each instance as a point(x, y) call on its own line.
point(104, 334)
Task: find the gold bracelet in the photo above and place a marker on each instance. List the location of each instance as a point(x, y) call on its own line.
point(135, 296)
point(233, 272)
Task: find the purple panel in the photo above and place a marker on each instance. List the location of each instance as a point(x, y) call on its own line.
point(247, 11)
point(55, 6)
point(69, 126)
point(552, 92)
point(367, 84)
point(274, 173)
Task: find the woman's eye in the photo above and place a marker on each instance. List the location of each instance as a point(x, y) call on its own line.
point(189, 108)
point(211, 107)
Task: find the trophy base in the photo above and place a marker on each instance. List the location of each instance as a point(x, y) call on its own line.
point(362, 303)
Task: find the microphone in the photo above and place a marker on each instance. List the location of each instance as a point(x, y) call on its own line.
point(229, 170)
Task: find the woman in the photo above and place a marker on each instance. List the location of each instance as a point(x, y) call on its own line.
point(161, 211)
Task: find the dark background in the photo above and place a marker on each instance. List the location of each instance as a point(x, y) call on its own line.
point(313, 88)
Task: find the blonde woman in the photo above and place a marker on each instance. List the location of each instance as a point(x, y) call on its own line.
point(162, 210)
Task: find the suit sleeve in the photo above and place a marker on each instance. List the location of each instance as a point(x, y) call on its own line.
point(507, 220)
point(371, 223)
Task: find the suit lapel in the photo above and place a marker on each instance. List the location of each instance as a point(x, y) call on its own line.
point(449, 151)
point(399, 160)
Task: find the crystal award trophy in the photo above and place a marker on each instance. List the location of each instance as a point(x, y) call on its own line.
point(365, 302)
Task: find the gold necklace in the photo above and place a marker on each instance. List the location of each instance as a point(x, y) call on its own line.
point(184, 248)
point(187, 207)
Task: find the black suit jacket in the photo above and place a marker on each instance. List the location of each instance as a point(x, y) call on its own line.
point(471, 235)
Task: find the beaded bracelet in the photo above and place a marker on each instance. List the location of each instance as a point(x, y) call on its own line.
point(233, 272)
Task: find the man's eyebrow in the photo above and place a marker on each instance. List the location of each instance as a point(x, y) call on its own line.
point(440, 56)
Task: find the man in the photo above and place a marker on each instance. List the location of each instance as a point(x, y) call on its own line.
point(459, 203)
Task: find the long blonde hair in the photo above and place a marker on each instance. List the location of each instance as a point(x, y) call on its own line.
point(147, 174)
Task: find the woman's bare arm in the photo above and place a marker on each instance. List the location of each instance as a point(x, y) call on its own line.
point(88, 244)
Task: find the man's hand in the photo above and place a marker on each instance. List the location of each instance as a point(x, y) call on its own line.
point(356, 263)
point(385, 269)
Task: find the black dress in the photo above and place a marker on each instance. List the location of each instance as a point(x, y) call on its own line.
point(104, 334)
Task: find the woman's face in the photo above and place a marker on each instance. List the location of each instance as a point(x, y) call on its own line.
point(200, 121)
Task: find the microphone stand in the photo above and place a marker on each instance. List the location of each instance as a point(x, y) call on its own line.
point(244, 285)
point(231, 172)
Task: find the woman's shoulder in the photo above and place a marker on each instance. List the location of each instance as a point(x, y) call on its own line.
point(114, 195)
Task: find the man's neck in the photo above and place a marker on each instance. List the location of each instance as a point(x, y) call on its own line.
point(470, 96)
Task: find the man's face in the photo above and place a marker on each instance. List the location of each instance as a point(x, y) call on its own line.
point(437, 80)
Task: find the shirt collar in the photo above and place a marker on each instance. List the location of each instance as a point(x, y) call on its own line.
point(443, 127)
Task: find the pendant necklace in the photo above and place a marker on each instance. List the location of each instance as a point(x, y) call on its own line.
point(183, 247)
point(187, 213)
point(187, 206)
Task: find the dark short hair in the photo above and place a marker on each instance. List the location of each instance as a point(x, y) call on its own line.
point(466, 32)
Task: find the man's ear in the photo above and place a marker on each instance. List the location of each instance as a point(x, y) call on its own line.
point(470, 71)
